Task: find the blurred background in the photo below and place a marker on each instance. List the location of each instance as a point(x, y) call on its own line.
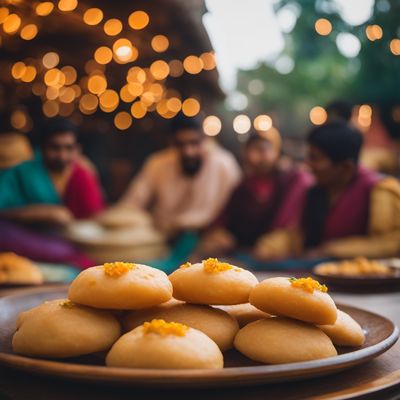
point(122, 70)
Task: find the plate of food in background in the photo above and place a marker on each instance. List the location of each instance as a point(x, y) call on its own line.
point(18, 271)
point(361, 274)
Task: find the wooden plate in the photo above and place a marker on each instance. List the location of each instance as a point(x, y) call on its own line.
point(239, 371)
point(364, 284)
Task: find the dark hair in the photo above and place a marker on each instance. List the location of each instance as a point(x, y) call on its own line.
point(181, 122)
point(54, 126)
point(254, 137)
point(337, 140)
point(339, 109)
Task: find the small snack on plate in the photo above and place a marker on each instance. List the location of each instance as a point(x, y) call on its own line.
point(165, 345)
point(244, 313)
point(358, 267)
point(304, 299)
point(345, 331)
point(121, 286)
point(60, 329)
point(216, 324)
point(15, 269)
point(212, 282)
point(277, 340)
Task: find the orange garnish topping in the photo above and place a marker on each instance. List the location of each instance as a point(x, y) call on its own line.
point(185, 265)
point(118, 268)
point(164, 328)
point(213, 265)
point(308, 284)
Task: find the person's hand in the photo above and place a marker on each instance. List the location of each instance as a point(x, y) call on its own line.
point(216, 242)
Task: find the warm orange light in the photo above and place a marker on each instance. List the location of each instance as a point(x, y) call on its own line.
point(212, 125)
point(3, 14)
point(135, 88)
point(208, 60)
point(138, 20)
point(54, 77)
point(44, 8)
point(124, 51)
point(50, 60)
point(159, 69)
point(70, 74)
point(192, 64)
point(109, 100)
point(159, 43)
point(323, 27)
point(136, 74)
point(125, 95)
point(103, 55)
point(395, 46)
point(97, 84)
point(88, 103)
point(190, 107)
point(113, 27)
point(18, 119)
point(50, 108)
point(67, 5)
point(52, 92)
point(374, 32)
point(138, 110)
point(29, 32)
point(262, 123)
point(176, 68)
point(29, 74)
point(174, 104)
point(318, 115)
point(18, 70)
point(11, 24)
point(123, 120)
point(93, 16)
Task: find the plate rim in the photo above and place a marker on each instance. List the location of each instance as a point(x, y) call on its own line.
point(181, 377)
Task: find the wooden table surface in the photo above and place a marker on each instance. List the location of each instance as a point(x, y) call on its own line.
point(377, 379)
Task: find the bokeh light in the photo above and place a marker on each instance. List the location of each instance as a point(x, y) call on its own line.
point(113, 27)
point(50, 60)
point(93, 16)
point(159, 43)
point(241, 124)
point(44, 8)
point(190, 107)
point(122, 120)
point(323, 27)
point(262, 123)
point(11, 24)
point(29, 32)
point(67, 5)
point(138, 20)
point(212, 125)
point(159, 69)
point(318, 115)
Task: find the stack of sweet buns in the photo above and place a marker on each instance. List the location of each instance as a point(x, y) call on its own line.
point(141, 318)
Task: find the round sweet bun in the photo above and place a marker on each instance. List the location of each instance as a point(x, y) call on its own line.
point(279, 296)
point(121, 286)
point(279, 340)
point(216, 324)
point(15, 269)
point(60, 329)
point(182, 348)
point(345, 331)
point(212, 282)
point(244, 313)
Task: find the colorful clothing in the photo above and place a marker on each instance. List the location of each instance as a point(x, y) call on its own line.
point(263, 204)
point(181, 202)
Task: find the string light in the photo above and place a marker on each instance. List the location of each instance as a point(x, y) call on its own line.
point(109, 100)
point(44, 8)
point(212, 125)
point(122, 120)
point(29, 74)
point(395, 46)
point(18, 70)
point(262, 123)
point(208, 60)
point(113, 27)
point(11, 24)
point(323, 27)
point(374, 32)
point(138, 110)
point(318, 115)
point(190, 107)
point(160, 43)
point(159, 69)
point(93, 16)
point(103, 55)
point(29, 32)
point(50, 60)
point(67, 5)
point(88, 103)
point(176, 68)
point(97, 84)
point(241, 124)
point(192, 64)
point(3, 14)
point(138, 20)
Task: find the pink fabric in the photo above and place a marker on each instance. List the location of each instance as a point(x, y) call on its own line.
point(349, 215)
point(83, 195)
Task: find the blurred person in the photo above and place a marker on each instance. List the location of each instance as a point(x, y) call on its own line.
point(186, 185)
point(47, 192)
point(268, 198)
point(350, 211)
